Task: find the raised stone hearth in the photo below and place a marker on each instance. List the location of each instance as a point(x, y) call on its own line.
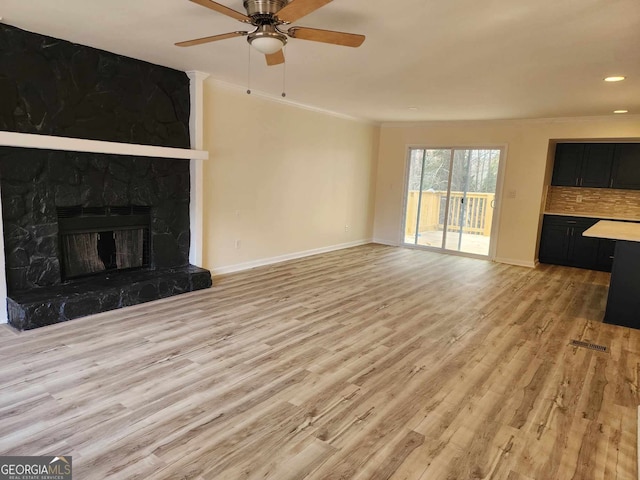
point(39, 307)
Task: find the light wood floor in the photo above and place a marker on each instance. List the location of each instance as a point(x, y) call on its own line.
point(368, 363)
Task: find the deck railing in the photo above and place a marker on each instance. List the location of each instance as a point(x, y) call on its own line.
point(474, 211)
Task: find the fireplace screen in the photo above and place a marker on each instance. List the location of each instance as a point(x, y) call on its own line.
point(102, 239)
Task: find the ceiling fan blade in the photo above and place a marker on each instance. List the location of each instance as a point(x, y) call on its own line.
point(296, 9)
point(222, 9)
point(213, 38)
point(275, 58)
point(327, 36)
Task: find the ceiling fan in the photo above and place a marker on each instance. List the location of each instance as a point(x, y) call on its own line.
point(268, 18)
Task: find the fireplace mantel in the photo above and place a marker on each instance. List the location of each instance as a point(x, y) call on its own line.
point(50, 142)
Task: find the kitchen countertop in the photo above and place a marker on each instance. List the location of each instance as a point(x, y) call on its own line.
point(614, 231)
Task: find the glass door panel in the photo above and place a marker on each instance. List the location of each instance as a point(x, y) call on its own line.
point(426, 197)
point(472, 200)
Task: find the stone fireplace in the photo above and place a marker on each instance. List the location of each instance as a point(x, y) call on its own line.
point(90, 232)
point(86, 233)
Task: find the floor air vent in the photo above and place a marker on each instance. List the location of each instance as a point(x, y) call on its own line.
point(592, 346)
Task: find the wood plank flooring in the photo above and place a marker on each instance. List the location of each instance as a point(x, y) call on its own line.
point(368, 363)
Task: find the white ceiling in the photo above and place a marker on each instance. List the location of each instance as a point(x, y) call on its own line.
point(452, 59)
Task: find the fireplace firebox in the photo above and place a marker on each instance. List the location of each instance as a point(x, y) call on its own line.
point(93, 240)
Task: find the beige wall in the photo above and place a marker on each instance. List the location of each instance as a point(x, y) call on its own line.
point(527, 159)
point(282, 180)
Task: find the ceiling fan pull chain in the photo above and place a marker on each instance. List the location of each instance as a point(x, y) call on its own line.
point(284, 76)
point(249, 73)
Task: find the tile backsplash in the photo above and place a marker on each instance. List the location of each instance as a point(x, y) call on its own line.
point(596, 202)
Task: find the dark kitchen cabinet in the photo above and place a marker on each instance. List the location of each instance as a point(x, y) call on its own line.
point(596, 165)
point(567, 164)
point(606, 250)
point(626, 166)
point(583, 252)
point(554, 242)
point(562, 243)
point(623, 300)
point(583, 164)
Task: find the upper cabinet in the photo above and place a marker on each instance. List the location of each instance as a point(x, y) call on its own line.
point(567, 164)
point(626, 166)
point(583, 165)
point(597, 165)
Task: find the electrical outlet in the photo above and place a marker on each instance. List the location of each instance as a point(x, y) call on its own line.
point(346, 228)
point(237, 244)
point(579, 199)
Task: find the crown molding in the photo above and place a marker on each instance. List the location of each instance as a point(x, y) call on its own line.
point(514, 121)
point(291, 103)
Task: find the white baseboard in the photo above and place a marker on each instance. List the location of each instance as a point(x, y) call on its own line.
point(283, 258)
point(385, 242)
point(517, 263)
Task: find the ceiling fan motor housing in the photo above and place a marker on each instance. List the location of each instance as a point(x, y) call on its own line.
point(263, 7)
point(262, 14)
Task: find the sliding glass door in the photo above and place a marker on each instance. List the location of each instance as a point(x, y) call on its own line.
point(450, 198)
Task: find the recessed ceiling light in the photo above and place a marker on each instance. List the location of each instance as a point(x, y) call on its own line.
point(413, 109)
point(621, 111)
point(614, 79)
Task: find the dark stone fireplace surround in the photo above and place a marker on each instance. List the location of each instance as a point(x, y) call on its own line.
point(53, 87)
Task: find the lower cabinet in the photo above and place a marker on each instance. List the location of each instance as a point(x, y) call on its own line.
point(562, 243)
point(605, 254)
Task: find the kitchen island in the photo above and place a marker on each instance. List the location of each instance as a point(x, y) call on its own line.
point(623, 301)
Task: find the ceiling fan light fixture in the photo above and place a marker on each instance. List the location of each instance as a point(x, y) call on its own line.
point(267, 45)
point(266, 39)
